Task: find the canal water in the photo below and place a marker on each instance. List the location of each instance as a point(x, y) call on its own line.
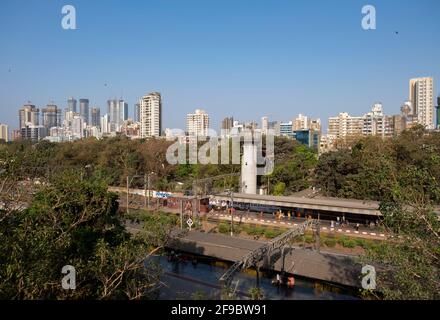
point(196, 277)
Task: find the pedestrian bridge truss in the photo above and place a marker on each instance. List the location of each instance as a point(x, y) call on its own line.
point(257, 256)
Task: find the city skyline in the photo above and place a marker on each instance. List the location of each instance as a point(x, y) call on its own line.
point(222, 67)
point(122, 113)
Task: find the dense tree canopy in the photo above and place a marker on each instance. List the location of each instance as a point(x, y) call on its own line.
point(55, 209)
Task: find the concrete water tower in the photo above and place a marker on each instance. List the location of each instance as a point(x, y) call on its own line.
point(249, 168)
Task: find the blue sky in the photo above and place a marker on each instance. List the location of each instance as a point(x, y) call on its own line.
point(245, 58)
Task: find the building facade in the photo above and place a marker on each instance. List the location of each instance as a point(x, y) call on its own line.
point(84, 109)
point(32, 132)
point(286, 129)
point(421, 95)
point(95, 117)
point(71, 104)
point(438, 113)
point(344, 125)
point(51, 116)
point(137, 112)
point(197, 123)
point(227, 125)
point(308, 137)
point(4, 132)
point(28, 114)
point(151, 115)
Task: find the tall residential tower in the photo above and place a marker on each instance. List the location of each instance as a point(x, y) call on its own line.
point(84, 109)
point(151, 115)
point(421, 96)
point(197, 123)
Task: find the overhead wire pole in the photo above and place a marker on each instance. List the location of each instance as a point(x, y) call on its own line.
point(146, 178)
point(128, 191)
point(232, 217)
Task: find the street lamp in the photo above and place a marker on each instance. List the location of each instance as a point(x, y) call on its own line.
point(231, 194)
point(147, 184)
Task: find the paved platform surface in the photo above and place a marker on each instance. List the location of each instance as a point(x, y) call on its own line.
point(335, 268)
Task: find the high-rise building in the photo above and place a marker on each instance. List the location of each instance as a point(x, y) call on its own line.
point(118, 113)
point(32, 132)
point(123, 107)
point(197, 124)
point(84, 109)
point(344, 126)
point(71, 104)
point(105, 124)
point(421, 96)
point(286, 129)
point(151, 115)
point(95, 115)
point(4, 132)
point(28, 114)
point(438, 113)
point(78, 126)
point(308, 137)
point(315, 124)
point(51, 116)
point(227, 125)
point(137, 112)
point(301, 122)
point(374, 121)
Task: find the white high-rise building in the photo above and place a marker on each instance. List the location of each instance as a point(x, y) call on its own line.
point(421, 95)
point(151, 115)
point(4, 132)
point(105, 124)
point(78, 126)
point(197, 124)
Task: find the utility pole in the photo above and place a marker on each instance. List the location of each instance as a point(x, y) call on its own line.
point(268, 185)
point(145, 191)
point(149, 187)
point(128, 190)
point(181, 214)
point(232, 216)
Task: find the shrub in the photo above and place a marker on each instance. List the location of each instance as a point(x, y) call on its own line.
point(255, 231)
point(224, 228)
point(330, 242)
point(349, 243)
point(270, 234)
point(342, 240)
point(361, 243)
point(309, 239)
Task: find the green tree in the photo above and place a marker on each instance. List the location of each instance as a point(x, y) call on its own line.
point(73, 220)
point(279, 189)
point(408, 264)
